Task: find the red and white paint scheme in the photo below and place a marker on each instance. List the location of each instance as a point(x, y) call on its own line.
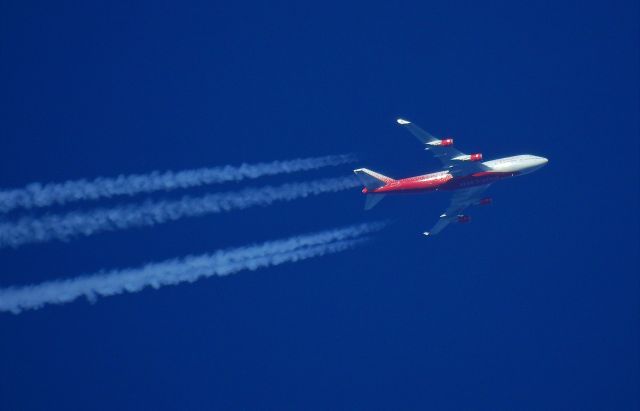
point(466, 175)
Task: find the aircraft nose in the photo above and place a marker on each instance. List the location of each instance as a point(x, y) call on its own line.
point(535, 163)
point(539, 161)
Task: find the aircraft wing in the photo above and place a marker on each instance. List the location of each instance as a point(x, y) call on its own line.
point(459, 202)
point(443, 149)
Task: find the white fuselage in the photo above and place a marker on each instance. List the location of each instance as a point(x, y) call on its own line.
point(522, 164)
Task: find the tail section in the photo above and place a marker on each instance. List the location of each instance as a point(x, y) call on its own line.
point(371, 201)
point(372, 180)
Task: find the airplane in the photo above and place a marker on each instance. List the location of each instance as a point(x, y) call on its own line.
point(465, 174)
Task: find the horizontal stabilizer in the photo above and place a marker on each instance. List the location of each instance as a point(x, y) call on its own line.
point(372, 180)
point(371, 200)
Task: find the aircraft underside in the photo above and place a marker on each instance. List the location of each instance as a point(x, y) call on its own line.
point(465, 174)
point(445, 182)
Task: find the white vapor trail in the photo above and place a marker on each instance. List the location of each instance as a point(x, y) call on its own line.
point(43, 195)
point(85, 223)
point(187, 269)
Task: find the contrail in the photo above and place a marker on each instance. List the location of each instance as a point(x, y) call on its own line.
point(187, 269)
point(85, 223)
point(43, 195)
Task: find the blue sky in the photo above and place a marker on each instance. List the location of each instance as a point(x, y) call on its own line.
point(534, 305)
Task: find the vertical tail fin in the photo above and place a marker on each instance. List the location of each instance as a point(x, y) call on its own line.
point(372, 180)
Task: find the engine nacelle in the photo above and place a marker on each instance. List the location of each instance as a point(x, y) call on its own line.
point(445, 142)
point(485, 201)
point(469, 157)
point(463, 219)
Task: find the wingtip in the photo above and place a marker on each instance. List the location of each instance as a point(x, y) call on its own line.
point(403, 122)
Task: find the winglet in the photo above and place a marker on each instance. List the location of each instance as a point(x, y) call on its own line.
point(403, 121)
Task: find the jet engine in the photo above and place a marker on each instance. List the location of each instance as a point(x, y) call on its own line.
point(463, 219)
point(469, 157)
point(485, 201)
point(445, 142)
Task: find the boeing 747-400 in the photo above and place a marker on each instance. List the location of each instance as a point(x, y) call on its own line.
point(467, 175)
